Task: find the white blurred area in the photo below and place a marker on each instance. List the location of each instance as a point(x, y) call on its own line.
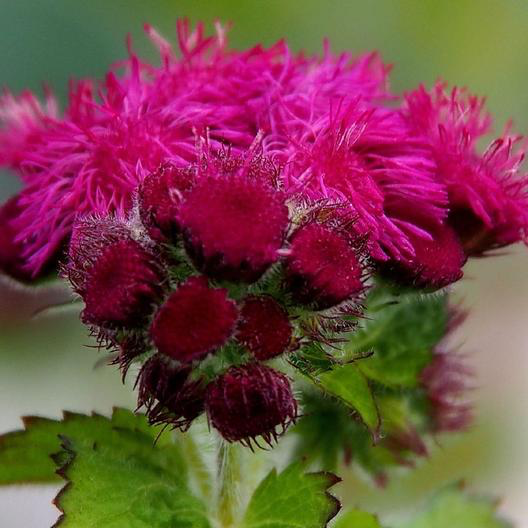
point(495, 337)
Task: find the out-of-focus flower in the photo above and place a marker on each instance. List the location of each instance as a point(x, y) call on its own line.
point(488, 193)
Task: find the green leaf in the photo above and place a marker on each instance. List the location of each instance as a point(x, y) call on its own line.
point(120, 484)
point(401, 334)
point(451, 508)
point(292, 499)
point(349, 385)
point(25, 456)
point(356, 519)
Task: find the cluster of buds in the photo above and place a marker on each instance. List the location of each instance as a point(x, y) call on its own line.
point(214, 274)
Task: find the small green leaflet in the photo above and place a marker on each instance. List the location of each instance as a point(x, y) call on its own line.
point(25, 456)
point(292, 499)
point(452, 508)
point(349, 385)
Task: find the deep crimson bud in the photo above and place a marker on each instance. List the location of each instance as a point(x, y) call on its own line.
point(264, 327)
point(194, 321)
point(322, 267)
point(234, 226)
point(437, 262)
point(159, 196)
point(122, 285)
point(250, 401)
point(168, 393)
point(11, 260)
point(91, 235)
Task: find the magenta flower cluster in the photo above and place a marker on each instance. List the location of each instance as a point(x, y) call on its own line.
point(209, 277)
point(226, 207)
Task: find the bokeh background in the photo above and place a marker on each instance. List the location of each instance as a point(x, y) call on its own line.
point(44, 363)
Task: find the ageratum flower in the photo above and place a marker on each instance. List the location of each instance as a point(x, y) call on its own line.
point(226, 207)
point(324, 118)
point(488, 193)
point(168, 393)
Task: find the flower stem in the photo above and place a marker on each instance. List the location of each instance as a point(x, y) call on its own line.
point(199, 470)
point(229, 480)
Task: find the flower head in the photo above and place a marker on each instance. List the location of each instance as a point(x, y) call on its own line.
point(264, 327)
point(249, 402)
point(194, 321)
point(91, 235)
point(323, 268)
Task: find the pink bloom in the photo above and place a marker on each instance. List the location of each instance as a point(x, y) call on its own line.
point(488, 195)
point(437, 261)
point(363, 157)
point(447, 380)
point(11, 260)
point(92, 159)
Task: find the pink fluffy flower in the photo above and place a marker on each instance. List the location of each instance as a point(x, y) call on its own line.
point(115, 132)
point(488, 193)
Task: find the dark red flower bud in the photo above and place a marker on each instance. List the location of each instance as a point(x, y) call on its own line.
point(159, 196)
point(11, 260)
point(322, 267)
point(264, 327)
point(250, 401)
point(234, 226)
point(122, 285)
point(194, 321)
point(437, 262)
point(91, 235)
point(168, 393)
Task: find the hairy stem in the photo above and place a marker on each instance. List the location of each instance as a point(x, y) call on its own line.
point(228, 484)
point(197, 465)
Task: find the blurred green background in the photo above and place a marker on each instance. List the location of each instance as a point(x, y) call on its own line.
point(479, 43)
